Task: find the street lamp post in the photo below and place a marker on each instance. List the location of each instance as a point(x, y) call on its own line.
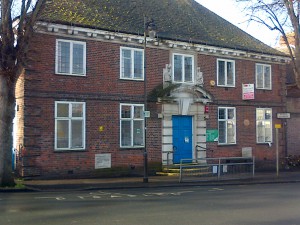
point(149, 28)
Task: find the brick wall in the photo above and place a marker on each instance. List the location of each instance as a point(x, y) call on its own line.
point(103, 91)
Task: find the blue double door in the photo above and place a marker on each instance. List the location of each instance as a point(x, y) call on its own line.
point(182, 138)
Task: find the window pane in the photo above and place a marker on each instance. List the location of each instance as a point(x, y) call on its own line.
point(230, 113)
point(260, 131)
point(259, 114)
point(267, 76)
point(77, 110)
point(62, 134)
point(125, 133)
point(230, 73)
point(222, 132)
point(268, 131)
point(63, 57)
point(138, 112)
point(62, 110)
point(138, 64)
point(221, 73)
point(230, 132)
point(77, 134)
point(138, 134)
point(126, 63)
point(222, 113)
point(188, 68)
point(78, 54)
point(259, 76)
point(178, 68)
point(268, 114)
point(126, 111)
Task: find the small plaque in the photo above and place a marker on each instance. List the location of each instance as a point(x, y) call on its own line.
point(278, 126)
point(102, 161)
point(283, 115)
point(146, 114)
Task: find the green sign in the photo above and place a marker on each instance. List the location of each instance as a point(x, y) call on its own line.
point(212, 135)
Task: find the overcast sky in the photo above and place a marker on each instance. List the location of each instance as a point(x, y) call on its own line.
point(233, 12)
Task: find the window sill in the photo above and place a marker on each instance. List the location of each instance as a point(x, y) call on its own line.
point(263, 89)
point(69, 150)
point(225, 145)
point(131, 79)
point(72, 75)
point(224, 86)
point(132, 148)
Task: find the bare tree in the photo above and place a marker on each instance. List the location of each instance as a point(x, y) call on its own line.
point(15, 35)
point(283, 16)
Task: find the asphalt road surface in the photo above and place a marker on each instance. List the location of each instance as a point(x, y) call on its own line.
point(268, 204)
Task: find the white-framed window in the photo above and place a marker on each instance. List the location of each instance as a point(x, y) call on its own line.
point(131, 125)
point(264, 125)
point(70, 57)
point(263, 76)
point(69, 125)
point(132, 63)
point(183, 68)
point(227, 125)
point(225, 72)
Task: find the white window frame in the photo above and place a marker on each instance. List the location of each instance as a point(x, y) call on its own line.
point(132, 64)
point(183, 75)
point(71, 72)
point(132, 119)
point(228, 121)
point(264, 85)
point(70, 118)
point(226, 61)
point(263, 121)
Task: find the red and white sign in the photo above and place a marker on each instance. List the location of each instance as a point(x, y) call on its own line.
point(248, 91)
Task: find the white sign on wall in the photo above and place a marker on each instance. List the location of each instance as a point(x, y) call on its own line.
point(248, 91)
point(102, 161)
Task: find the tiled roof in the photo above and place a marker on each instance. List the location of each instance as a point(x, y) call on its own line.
point(181, 20)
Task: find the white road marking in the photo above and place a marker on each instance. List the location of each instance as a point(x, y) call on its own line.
point(101, 195)
point(59, 198)
point(216, 189)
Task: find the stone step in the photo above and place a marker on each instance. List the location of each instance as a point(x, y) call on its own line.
point(175, 171)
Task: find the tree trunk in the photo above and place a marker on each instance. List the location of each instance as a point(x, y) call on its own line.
point(7, 112)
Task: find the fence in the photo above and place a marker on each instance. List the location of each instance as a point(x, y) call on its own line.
point(217, 168)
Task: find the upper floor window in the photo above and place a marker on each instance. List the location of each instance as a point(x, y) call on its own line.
point(132, 125)
point(263, 76)
point(226, 72)
point(227, 125)
point(183, 68)
point(69, 125)
point(263, 125)
point(132, 64)
point(70, 57)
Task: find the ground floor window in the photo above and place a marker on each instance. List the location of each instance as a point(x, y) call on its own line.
point(131, 125)
point(263, 125)
point(227, 125)
point(69, 125)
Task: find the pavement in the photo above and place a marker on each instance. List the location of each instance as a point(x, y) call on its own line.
point(153, 182)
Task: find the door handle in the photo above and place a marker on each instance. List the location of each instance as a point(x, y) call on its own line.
point(174, 148)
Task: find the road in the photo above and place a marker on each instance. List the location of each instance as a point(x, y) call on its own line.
point(274, 204)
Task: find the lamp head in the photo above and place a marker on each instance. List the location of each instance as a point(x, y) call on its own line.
point(150, 27)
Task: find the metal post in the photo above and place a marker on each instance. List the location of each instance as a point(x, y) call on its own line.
point(145, 179)
point(253, 166)
point(219, 169)
point(180, 172)
point(277, 153)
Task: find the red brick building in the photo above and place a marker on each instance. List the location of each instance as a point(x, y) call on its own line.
point(80, 103)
